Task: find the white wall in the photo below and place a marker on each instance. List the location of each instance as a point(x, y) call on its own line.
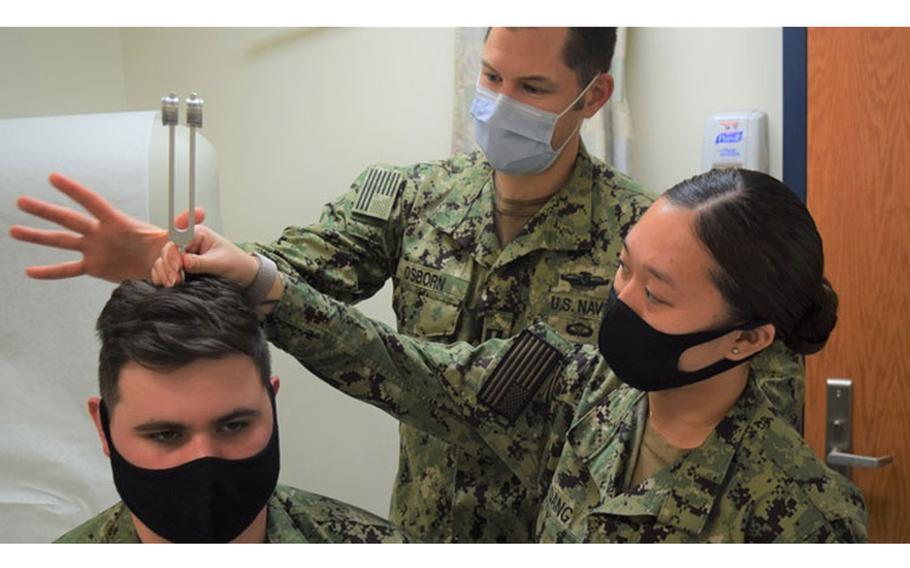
point(676, 78)
point(60, 71)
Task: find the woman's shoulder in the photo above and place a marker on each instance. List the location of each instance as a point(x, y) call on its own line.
point(793, 494)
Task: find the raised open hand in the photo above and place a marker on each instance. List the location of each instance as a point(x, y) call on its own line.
point(114, 246)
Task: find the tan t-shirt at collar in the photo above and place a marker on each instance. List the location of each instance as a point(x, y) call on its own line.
point(654, 452)
point(511, 215)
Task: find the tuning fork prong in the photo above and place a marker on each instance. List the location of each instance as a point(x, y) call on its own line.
point(170, 117)
point(194, 121)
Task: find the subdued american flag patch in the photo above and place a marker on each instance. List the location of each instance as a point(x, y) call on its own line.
point(526, 366)
point(378, 192)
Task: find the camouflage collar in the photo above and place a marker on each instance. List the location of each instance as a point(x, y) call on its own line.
point(280, 526)
point(682, 495)
point(564, 223)
point(118, 526)
point(466, 214)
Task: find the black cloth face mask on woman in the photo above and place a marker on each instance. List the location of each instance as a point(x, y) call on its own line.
point(647, 359)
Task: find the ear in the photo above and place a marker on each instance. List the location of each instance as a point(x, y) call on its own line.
point(276, 384)
point(749, 342)
point(598, 95)
point(94, 410)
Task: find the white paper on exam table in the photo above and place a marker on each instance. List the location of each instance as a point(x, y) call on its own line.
point(53, 474)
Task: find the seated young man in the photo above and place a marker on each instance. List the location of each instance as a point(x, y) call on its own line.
point(187, 416)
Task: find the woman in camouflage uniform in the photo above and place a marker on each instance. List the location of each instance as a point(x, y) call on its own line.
point(658, 434)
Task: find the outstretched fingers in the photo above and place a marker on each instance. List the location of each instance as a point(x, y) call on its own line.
point(69, 218)
point(57, 239)
point(57, 271)
point(93, 203)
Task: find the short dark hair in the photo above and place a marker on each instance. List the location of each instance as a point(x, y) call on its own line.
point(160, 328)
point(770, 262)
point(587, 51)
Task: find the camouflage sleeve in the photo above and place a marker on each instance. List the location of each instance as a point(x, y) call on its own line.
point(513, 395)
point(353, 248)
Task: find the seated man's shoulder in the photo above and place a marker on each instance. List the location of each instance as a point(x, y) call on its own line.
point(301, 516)
point(111, 526)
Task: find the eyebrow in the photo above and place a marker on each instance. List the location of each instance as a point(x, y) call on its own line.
point(527, 78)
point(660, 275)
point(237, 414)
point(159, 425)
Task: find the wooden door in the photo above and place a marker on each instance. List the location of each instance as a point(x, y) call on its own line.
point(858, 189)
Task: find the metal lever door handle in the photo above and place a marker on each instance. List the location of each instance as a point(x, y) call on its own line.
point(839, 431)
point(836, 458)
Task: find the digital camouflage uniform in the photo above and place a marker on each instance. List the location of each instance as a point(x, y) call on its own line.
point(430, 228)
point(556, 417)
point(293, 516)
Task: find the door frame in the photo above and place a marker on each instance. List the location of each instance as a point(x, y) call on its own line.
point(795, 95)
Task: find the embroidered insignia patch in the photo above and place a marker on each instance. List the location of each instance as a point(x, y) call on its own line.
point(378, 193)
point(519, 375)
point(584, 280)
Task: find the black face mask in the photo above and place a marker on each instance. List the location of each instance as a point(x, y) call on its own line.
point(647, 359)
point(205, 500)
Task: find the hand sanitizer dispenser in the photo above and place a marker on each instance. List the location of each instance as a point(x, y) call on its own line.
point(736, 140)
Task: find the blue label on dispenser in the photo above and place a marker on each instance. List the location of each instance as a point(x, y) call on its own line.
point(729, 137)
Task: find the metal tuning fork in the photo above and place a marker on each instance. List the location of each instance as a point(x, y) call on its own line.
point(170, 117)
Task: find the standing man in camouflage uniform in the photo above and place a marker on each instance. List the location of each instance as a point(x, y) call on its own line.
point(477, 246)
point(477, 252)
point(188, 420)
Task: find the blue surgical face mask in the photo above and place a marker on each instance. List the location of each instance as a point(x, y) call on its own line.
point(516, 137)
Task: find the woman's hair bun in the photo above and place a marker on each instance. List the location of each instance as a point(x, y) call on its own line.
point(811, 332)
